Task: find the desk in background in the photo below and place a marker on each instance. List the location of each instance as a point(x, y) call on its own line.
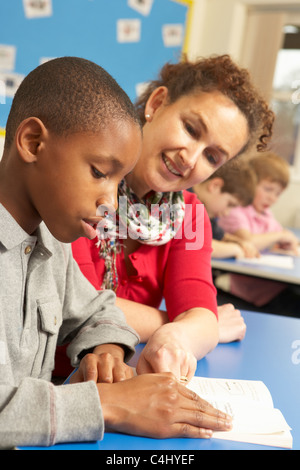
point(289, 276)
point(268, 353)
point(232, 265)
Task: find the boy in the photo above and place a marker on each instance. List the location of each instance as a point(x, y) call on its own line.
point(256, 223)
point(230, 186)
point(71, 136)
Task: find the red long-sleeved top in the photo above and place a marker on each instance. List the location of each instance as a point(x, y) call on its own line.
point(179, 271)
point(179, 275)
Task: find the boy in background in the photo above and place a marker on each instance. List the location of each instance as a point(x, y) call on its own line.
point(230, 186)
point(256, 224)
point(71, 136)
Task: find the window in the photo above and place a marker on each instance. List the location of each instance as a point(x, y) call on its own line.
point(286, 99)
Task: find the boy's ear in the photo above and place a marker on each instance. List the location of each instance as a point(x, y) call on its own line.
point(215, 184)
point(29, 137)
point(157, 98)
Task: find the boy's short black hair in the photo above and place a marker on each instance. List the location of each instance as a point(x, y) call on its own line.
point(69, 95)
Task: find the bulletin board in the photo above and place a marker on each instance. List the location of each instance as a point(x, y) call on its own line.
point(131, 39)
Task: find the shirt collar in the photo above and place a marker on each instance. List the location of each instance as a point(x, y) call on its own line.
point(12, 234)
point(263, 215)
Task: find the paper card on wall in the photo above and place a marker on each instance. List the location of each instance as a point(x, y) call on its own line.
point(7, 57)
point(173, 35)
point(43, 60)
point(140, 88)
point(142, 6)
point(2, 93)
point(128, 30)
point(37, 8)
point(10, 83)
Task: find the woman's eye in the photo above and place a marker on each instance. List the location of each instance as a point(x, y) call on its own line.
point(97, 174)
point(191, 130)
point(212, 159)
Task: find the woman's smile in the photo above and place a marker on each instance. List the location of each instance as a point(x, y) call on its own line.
point(171, 167)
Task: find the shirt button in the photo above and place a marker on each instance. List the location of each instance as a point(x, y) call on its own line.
point(123, 282)
point(28, 250)
point(134, 256)
point(140, 279)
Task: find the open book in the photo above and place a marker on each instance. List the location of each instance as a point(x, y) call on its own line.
point(255, 420)
point(275, 261)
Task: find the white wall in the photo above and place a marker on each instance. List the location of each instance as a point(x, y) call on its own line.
point(219, 27)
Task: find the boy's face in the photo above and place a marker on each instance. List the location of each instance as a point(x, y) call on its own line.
point(74, 175)
point(221, 204)
point(266, 194)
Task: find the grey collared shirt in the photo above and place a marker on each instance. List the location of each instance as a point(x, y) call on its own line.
point(44, 301)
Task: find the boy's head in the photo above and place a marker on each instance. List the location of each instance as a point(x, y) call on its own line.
point(273, 175)
point(72, 135)
point(69, 95)
point(231, 185)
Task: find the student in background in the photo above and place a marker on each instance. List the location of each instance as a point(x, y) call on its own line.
point(196, 117)
point(256, 224)
point(71, 135)
point(230, 186)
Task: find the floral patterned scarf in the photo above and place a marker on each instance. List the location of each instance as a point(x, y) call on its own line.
point(153, 220)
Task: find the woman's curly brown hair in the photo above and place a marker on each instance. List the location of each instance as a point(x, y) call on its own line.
point(216, 73)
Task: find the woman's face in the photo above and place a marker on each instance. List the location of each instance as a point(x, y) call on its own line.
point(186, 141)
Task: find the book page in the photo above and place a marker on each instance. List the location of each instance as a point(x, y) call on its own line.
point(239, 392)
point(251, 406)
point(277, 261)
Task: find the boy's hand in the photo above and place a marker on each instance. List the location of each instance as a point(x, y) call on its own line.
point(158, 406)
point(105, 364)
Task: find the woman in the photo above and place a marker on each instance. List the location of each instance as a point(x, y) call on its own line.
point(196, 116)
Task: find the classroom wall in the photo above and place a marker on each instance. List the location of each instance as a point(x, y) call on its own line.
point(132, 39)
point(219, 27)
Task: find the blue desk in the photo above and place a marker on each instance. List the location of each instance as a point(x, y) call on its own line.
point(268, 353)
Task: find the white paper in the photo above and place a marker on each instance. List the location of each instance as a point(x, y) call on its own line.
point(7, 57)
point(173, 35)
point(43, 60)
point(128, 30)
point(142, 6)
point(37, 8)
point(140, 88)
point(277, 261)
point(249, 402)
point(2, 93)
point(10, 82)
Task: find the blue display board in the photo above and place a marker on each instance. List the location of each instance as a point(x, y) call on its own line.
point(131, 39)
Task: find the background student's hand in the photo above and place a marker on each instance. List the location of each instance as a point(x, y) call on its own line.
point(167, 350)
point(231, 324)
point(288, 241)
point(157, 406)
point(105, 364)
point(249, 249)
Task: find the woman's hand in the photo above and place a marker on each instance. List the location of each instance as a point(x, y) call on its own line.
point(105, 364)
point(157, 406)
point(231, 324)
point(168, 350)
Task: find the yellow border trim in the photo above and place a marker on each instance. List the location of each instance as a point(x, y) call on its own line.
point(2, 132)
point(190, 4)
